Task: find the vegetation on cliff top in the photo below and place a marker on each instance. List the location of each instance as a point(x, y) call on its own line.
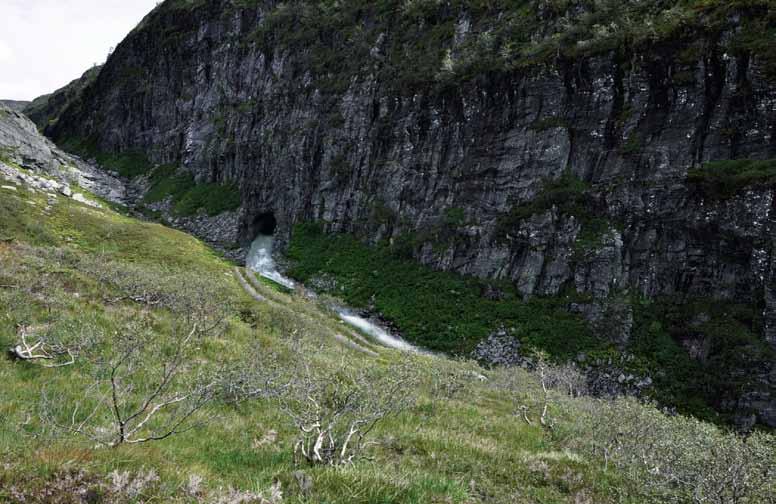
point(427, 43)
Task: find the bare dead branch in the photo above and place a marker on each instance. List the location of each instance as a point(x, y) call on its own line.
point(41, 351)
point(335, 411)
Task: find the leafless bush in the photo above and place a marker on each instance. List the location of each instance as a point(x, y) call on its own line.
point(260, 375)
point(142, 391)
point(124, 487)
point(566, 378)
point(451, 379)
point(679, 459)
point(273, 496)
point(337, 410)
point(131, 485)
point(56, 346)
point(550, 382)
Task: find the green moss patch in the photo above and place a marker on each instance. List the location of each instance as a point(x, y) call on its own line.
point(569, 194)
point(130, 163)
point(725, 179)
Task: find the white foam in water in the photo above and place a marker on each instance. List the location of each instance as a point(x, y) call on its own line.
point(376, 332)
point(260, 260)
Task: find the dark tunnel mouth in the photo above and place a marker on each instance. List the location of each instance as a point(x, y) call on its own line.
point(265, 224)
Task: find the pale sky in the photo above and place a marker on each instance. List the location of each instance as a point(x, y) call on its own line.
point(44, 44)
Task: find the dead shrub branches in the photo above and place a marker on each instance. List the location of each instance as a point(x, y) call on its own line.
point(142, 391)
point(337, 409)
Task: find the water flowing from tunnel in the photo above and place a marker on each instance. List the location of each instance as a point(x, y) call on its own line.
point(260, 260)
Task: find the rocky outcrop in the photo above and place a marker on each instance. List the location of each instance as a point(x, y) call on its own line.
point(15, 105)
point(459, 169)
point(396, 164)
point(499, 349)
point(27, 157)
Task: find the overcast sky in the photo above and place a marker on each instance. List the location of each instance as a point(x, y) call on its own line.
point(44, 44)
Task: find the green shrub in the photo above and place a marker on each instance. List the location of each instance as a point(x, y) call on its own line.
point(568, 193)
point(212, 198)
point(130, 163)
point(729, 335)
point(724, 179)
point(439, 310)
point(187, 196)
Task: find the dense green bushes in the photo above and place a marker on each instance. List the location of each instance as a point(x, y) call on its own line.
point(724, 337)
point(187, 196)
point(439, 310)
point(446, 312)
point(127, 164)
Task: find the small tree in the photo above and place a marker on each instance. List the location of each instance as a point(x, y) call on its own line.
point(143, 390)
point(336, 411)
point(555, 383)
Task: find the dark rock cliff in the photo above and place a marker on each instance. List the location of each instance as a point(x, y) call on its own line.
point(582, 166)
point(45, 110)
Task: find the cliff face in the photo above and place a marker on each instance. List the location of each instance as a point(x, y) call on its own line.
point(46, 109)
point(28, 157)
point(576, 167)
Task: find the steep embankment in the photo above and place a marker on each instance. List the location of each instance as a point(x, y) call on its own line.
point(31, 158)
point(576, 147)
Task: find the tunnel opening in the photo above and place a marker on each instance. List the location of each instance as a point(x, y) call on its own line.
point(265, 224)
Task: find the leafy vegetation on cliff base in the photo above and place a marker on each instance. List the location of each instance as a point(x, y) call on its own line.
point(725, 179)
point(439, 310)
point(187, 196)
point(694, 349)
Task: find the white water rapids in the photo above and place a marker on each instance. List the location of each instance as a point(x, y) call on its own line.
point(260, 261)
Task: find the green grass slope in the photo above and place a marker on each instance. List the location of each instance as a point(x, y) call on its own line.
point(471, 436)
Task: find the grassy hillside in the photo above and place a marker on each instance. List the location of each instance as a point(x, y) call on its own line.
point(93, 280)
